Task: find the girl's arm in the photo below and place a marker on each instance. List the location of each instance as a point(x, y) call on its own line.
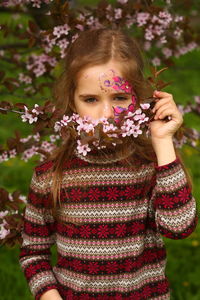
point(38, 236)
point(172, 199)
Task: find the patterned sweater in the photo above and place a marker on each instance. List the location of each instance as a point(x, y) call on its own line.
point(108, 230)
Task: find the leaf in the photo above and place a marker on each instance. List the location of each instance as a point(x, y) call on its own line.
point(16, 194)
point(20, 105)
point(65, 6)
point(2, 74)
point(161, 84)
point(31, 42)
point(65, 133)
point(5, 104)
point(10, 86)
point(33, 27)
point(39, 126)
point(11, 143)
point(151, 79)
point(17, 134)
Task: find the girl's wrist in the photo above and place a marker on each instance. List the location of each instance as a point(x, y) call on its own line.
point(164, 149)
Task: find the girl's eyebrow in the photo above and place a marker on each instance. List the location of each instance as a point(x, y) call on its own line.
point(93, 95)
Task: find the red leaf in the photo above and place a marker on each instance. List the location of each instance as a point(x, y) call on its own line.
point(33, 27)
point(20, 105)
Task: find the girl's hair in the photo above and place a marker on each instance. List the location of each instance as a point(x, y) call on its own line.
point(97, 47)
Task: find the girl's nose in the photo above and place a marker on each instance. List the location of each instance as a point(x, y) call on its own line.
point(107, 111)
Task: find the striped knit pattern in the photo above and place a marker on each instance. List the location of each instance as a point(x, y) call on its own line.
point(108, 230)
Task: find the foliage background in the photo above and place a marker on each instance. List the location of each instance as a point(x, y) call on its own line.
point(183, 255)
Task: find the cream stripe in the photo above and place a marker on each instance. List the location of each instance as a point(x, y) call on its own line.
point(104, 212)
point(170, 179)
point(97, 283)
point(41, 280)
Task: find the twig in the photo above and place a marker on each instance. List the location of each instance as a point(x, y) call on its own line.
point(12, 110)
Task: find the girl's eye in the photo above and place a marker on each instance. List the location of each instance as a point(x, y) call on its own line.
point(89, 100)
point(121, 98)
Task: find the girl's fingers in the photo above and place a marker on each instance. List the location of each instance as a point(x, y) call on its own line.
point(166, 112)
point(162, 94)
point(163, 108)
point(160, 102)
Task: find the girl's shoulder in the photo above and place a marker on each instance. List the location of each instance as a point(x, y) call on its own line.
point(44, 167)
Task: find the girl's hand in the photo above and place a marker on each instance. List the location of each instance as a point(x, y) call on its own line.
point(165, 106)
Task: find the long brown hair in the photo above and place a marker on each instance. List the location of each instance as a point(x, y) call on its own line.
point(96, 47)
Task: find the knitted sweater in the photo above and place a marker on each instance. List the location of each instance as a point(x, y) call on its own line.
point(108, 230)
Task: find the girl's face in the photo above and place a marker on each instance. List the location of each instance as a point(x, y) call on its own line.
point(99, 88)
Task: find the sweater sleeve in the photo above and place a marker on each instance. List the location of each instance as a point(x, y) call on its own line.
point(38, 236)
point(173, 202)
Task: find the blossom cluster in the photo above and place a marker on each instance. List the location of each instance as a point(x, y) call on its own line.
point(38, 63)
point(31, 115)
point(35, 3)
point(131, 124)
point(163, 32)
point(31, 150)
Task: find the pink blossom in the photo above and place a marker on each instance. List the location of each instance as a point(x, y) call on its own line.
point(197, 99)
point(158, 29)
point(129, 20)
point(28, 117)
point(2, 52)
point(53, 137)
point(138, 111)
point(12, 153)
point(25, 78)
point(149, 33)
point(37, 110)
point(135, 131)
point(147, 45)
point(65, 120)
point(75, 37)
point(3, 213)
point(23, 198)
point(83, 149)
point(60, 30)
point(29, 153)
point(48, 147)
point(142, 18)
point(145, 105)
point(141, 118)
point(63, 43)
point(177, 32)
point(163, 40)
point(109, 127)
point(80, 27)
point(3, 231)
point(122, 1)
point(165, 18)
point(178, 18)
point(167, 52)
point(156, 61)
point(118, 13)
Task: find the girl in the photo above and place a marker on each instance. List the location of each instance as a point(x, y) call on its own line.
point(115, 205)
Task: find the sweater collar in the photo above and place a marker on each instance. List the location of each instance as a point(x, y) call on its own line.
point(106, 156)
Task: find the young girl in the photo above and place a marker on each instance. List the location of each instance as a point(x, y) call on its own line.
point(115, 205)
